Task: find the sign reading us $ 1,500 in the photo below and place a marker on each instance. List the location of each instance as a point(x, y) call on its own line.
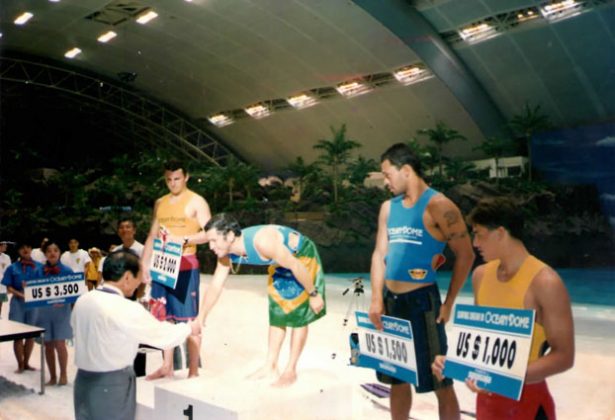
point(390, 350)
point(51, 290)
point(164, 266)
point(491, 346)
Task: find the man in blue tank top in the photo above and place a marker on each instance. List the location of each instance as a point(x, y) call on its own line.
point(296, 283)
point(413, 229)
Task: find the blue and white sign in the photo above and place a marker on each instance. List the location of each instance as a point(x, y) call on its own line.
point(164, 266)
point(52, 290)
point(391, 350)
point(492, 346)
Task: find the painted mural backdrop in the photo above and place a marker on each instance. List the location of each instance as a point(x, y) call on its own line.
point(580, 155)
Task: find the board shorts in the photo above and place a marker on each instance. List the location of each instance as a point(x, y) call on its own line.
point(421, 307)
point(182, 303)
point(19, 313)
point(289, 303)
point(536, 404)
point(56, 322)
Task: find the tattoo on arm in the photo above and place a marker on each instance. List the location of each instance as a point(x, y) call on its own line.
point(456, 235)
point(451, 217)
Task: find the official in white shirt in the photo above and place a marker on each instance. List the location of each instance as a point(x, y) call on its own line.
point(107, 331)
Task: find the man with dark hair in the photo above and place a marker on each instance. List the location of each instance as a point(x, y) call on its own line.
point(513, 278)
point(180, 214)
point(296, 283)
point(15, 276)
point(413, 229)
point(108, 329)
point(126, 230)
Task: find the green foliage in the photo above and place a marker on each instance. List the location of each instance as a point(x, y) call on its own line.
point(495, 148)
point(359, 169)
point(440, 136)
point(335, 154)
point(525, 125)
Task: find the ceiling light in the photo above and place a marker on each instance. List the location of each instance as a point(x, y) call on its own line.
point(146, 17)
point(72, 53)
point(561, 10)
point(352, 88)
point(258, 111)
point(23, 18)
point(410, 74)
point(478, 32)
point(54, 1)
point(220, 120)
point(301, 101)
point(106, 37)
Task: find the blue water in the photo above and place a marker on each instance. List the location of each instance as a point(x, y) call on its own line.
point(586, 286)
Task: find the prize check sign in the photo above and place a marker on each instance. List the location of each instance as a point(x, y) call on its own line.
point(166, 258)
point(492, 346)
point(51, 290)
point(390, 351)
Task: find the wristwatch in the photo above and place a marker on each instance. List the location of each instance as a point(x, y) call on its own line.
point(313, 293)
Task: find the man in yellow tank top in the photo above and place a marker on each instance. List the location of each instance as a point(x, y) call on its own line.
point(181, 213)
point(512, 278)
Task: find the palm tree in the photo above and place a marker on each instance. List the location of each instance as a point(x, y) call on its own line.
point(305, 173)
point(525, 125)
point(440, 136)
point(496, 148)
point(336, 153)
point(360, 168)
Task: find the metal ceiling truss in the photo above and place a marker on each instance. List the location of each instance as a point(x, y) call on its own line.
point(510, 20)
point(147, 117)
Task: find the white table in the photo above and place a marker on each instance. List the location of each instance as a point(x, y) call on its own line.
point(11, 330)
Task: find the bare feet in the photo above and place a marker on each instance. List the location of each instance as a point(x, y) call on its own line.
point(19, 370)
point(264, 372)
point(285, 380)
point(160, 373)
point(63, 380)
point(28, 367)
point(51, 381)
point(193, 374)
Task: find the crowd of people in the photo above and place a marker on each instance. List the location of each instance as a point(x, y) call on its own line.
point(124, 309)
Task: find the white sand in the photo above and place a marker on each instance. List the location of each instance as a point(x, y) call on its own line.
point(235, 337)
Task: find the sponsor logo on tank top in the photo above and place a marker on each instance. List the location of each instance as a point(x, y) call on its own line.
point(407, 234)
point(417, 273)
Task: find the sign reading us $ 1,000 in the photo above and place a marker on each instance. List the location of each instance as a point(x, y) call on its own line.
point(491, 346)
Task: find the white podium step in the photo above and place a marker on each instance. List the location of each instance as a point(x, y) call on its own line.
point(317, 394)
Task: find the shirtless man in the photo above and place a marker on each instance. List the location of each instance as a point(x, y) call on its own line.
point(513, 278)
point(181, 213)
point(413, 229)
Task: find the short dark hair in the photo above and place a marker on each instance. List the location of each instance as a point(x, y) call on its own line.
point(401, 154)
point(224, 223)
point(494, 212)
point(175, 165)
point(119, 262)
point(48, 243)
point(127, 219)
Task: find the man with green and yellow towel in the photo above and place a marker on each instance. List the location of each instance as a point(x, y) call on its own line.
point(296, 283)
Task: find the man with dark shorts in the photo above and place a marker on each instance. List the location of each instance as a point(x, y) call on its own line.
point(180, 214)
point(413, 229)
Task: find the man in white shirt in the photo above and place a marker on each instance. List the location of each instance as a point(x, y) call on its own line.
point(107, 331)
point(5, 261)
point(37, 254)
point(126, 230)
point(75, 258)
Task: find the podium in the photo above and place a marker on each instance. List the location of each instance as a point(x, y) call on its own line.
point(317, 394)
